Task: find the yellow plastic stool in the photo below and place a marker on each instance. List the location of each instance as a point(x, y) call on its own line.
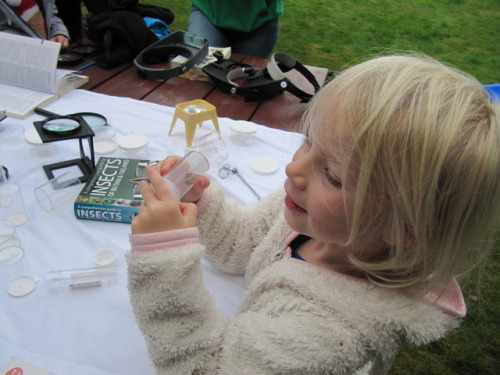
point(194, 113)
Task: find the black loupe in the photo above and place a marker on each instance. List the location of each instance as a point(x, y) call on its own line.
point(55, 129)
point(69, 59)
point(92, 119)
point(86, 50)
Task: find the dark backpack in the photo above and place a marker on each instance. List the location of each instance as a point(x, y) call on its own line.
point(120, 31)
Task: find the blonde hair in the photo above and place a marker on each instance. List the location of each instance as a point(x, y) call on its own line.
point(426, 139)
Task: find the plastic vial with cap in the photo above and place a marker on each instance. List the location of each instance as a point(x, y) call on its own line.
point(81, 278)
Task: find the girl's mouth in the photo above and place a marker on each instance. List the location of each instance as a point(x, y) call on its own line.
point(292, 206)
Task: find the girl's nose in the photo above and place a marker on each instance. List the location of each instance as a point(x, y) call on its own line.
point(297, 170)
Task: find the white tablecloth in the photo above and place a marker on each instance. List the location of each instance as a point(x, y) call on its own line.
point(92, 331)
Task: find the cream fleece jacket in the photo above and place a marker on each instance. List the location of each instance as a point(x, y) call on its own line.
point(296, 318)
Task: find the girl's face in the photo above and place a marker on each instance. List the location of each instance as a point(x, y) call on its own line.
point(319, 195)
point(316, 203)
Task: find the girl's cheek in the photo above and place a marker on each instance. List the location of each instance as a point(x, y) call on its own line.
point(318, 225)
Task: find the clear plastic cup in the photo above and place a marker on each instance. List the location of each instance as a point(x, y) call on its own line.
point(37, 147)
point(58, 191)
point(12, 206)
point(6, 232)
point(214, 148)
point(3, 175)
point(15, 272)
point(181, 178)
point(243, 133)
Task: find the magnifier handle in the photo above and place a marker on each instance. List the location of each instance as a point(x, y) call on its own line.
point(46, 113)
point(247, 184)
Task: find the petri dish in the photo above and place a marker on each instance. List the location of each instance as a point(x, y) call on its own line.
point(263, 165)
point(133, 141)
point(21, 286)
point(105, 147)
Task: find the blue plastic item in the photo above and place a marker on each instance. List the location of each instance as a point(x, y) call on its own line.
point(159, 27)
point(494, 91)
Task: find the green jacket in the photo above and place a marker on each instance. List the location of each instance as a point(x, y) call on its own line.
point(241, 15)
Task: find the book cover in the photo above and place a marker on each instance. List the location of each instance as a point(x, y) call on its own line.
point(112, 192)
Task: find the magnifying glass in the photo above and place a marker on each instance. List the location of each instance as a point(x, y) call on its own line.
point(93, 119)
point(61, 125)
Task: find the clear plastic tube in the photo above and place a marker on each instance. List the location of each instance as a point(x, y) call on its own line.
point(181, 178)
point(81, 278)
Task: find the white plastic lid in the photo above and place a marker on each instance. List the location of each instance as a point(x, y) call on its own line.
point(21, 286)
point(104, 132)
point(133, 141)
point(32, 137)
point(245, 127)
point(10, 255)
point(263, 165)
point(11, 241)
point(105, 258)
point(105, 147)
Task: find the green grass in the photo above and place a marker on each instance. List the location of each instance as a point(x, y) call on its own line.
point(337, 33)
point(464, 33)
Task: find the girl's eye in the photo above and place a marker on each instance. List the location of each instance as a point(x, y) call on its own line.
point(332, 179)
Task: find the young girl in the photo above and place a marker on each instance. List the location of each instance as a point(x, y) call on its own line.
point(393, 192)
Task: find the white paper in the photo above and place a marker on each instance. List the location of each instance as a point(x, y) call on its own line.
point(28, 74)
point(28, 62)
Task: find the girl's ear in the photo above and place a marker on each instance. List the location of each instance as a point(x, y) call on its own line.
point(392, 240)
point(388, 238)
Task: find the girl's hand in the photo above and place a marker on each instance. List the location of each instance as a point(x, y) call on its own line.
point(159, 210)
point(200, 184)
